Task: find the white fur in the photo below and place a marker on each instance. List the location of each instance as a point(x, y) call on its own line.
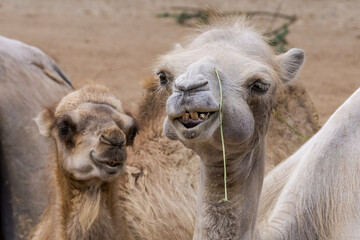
point(320, 184)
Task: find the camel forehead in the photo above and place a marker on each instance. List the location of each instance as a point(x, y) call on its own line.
point(228, 48)
point(95, 109)
point(243, 40)
point(90, 93)
point(96, 114)
point(89, 113)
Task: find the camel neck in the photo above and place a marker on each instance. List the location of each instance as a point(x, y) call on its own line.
point(85, 210)
point(236, 218)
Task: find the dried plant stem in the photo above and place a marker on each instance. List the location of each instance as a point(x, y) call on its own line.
point(222, 136)
point(282, 119)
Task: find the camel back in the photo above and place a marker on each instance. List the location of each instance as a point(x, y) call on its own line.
point(29, 81)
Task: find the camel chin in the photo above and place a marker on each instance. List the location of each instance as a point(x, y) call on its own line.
point(90, 165)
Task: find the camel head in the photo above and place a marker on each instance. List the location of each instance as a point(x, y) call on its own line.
point(250, 73)
point(91, 132)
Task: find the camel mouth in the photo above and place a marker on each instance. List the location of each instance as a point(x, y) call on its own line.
point(109, 166)
point(192, 119)
point(112, 163)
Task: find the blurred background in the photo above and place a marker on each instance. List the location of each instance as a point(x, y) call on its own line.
point(115, 42)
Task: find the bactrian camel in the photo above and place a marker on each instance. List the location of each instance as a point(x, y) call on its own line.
point(159, 170)
point(89, 132)
point(312, 195)
point(249, 72)
point(160, 196)
point(29, 80)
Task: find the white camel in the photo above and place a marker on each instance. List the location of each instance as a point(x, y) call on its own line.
point(313, 195)
point(160, 193)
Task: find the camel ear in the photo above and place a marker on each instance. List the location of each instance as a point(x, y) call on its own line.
point(290, 64)
point(131, 126)
point(45, 121)
point(131, 134)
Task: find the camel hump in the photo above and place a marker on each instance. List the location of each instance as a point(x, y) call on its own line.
point(30, 81)
point(24, 54)
point(293, 122)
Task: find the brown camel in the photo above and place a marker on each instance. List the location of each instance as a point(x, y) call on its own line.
point(89, 132)
point(29, 81)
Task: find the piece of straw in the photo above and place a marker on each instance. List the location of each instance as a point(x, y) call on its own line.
point(222, 136)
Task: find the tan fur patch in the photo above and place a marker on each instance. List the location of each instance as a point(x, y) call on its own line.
point(89, 211)
point(90, 93)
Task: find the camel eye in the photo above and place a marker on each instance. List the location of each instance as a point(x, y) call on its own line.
point(163, 78)
point(64, 129)
point(259, 87)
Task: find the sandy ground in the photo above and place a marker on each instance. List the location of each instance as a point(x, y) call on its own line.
point(115, 42)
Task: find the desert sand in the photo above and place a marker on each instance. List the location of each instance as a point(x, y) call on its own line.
point(115, 42)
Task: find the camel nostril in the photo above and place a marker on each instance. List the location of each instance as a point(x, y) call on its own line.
point(117, 142)
point(104, 140)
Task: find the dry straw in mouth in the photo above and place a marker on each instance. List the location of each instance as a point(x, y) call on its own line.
point(222, 137)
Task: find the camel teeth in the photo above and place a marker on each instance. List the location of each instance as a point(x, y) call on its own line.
point(194, 115)
point(185, 116)
point(202, 116)
point(207, 114)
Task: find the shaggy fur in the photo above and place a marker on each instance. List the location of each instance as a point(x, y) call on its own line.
point(83, 209)
point(93, 94)
point(80, 212)
point(162, 175)
point(250, 73)
point(314, 194)
point(29, 80)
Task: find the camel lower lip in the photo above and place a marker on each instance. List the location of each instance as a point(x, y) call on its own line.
point(191, 123)
point(110, 166)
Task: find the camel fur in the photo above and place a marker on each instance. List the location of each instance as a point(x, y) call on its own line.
point(312, 195)
point(89, 132)
point(163, 173)
point(29, 80)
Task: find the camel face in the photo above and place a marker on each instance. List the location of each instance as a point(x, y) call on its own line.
point(249, 72)
point(91, 138)
point(92, 141)
point(193, 107)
